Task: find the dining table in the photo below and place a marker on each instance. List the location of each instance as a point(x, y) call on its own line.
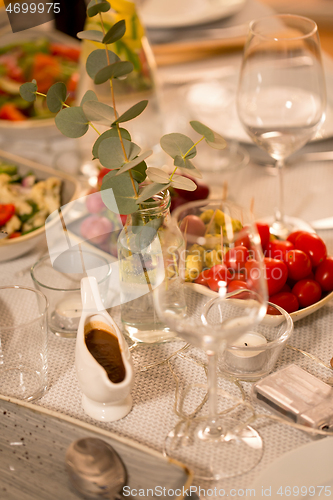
point(163, 371)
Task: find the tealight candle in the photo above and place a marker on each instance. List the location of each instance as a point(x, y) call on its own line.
point(244, 360)
point(67, 312)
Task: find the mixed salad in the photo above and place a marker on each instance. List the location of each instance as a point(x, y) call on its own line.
point(25, 202)
point(42, 60)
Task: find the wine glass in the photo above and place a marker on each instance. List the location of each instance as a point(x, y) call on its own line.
point(281, 97)
point(210, 318)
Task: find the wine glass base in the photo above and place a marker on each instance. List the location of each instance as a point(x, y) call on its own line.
point(223, 456)
point(281, 229)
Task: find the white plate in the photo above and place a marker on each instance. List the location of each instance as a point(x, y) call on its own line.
point(214, 103)
point(175, 13)
point(309, 466)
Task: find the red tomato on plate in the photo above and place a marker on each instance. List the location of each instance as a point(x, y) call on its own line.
point(277, 249)
point(307, 292)
point(324, 274)
point(276, 274)
point(236, 257)
point(298, 264)
point(263, 230)
point(6, 213)
point(287, 300)
point(313, 245)
point(216, 274)
point(292, 236)
point(202, 278)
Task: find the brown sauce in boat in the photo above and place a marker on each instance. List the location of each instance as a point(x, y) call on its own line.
point(104, 347)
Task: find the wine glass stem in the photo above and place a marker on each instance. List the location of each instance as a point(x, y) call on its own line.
point(212, 431)
point(279, 211)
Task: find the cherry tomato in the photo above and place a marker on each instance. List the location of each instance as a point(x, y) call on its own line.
point(276, 275)
point(236, 257)
point(324, 274)
point(292, 236)
point(6, 213)
point(101, 175)
point(218, 273)
point(307, 291)
point(277, 249)
point(237, 285)
point(16, 234)
point(313, 245)
point(243, 239)
point(287, 300)
point(123, 219)
point(192, 224)
point(285, 288)
point(263, 230)
point(298, 264)
point(10, 112)
point(72, 53)
point(252, 274)
point(202, 278)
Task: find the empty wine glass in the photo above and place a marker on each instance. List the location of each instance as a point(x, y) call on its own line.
point(209, 319)
point(281, 98)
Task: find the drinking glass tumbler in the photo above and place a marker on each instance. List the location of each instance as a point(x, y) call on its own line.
point(23, 342)
point(63, 289)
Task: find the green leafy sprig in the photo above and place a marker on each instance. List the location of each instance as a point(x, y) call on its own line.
point(131, 180)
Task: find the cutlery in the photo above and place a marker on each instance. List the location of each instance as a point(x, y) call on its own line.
point(326, 223)
point(95, 468)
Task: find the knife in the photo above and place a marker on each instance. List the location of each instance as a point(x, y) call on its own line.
point(326, 223)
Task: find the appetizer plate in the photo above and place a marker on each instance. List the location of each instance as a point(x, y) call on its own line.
point(12, 248)
point(34, 440)
point(175, 14)
point(44, 127)
point(303, 473)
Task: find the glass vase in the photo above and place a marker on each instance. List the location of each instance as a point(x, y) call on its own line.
point(143, 248)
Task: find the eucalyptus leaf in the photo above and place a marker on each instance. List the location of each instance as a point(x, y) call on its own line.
point(132, 112)
point(122, 197)
point(139, 172)
point(97, 60)
point(186, 164)
point(180, 182)
point(96, 6)
point(89, 96)
point(72, 122)
point(94, 35)
point(56, 96)
point(178, 145)
point(134, 162)
point(150, 190)
point(112, 132)
point(158, 175)
point(145, 234)
point(218, 143)
point(120, 68)
point(203, 130)
point(111, 154)
point(115, 33)
point(28, 91)
point(98, 112)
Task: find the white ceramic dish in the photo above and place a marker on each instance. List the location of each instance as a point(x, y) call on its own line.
point(12, 248)
point(308, 468)
point(173, 14)
point(214, 103)
point(34, 440)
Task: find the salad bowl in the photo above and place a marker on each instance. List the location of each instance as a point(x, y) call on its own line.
point(70, 189)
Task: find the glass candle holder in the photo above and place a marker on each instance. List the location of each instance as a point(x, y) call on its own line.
point(254, 354)
point(63, 290)
point(23, 342)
